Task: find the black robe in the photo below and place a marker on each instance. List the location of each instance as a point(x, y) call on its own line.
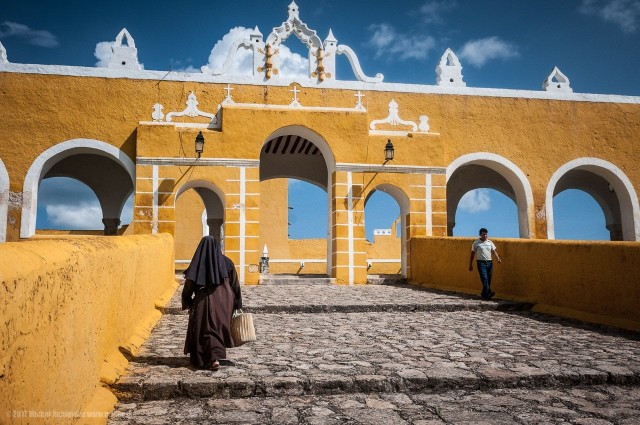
point(211, 292)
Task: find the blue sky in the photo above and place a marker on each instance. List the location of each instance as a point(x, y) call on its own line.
point(502, 44)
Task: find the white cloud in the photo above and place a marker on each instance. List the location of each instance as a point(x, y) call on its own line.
point(40, 38)
point(475, 201)
point(292, 64)
point(388, 42)
point(83, 216)
point(103, 53)
point(623, 13)
point(479, 52)
point(432, 10)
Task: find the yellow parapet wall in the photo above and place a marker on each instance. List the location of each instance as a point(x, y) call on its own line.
point(68, 308)
point(592, 281)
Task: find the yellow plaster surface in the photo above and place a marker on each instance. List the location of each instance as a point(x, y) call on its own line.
point(68, 304)
point(591, 281)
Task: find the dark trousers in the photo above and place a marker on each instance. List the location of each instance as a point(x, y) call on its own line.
point(485, 270)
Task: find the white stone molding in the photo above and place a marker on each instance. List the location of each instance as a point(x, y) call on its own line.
point(514, 176)
point(449, 70)
point(157, 114)
point(355, 65)
point(192, 111)
point(124, 56)
point(3, 54)
point(627, 196)
point(47, 159)
point(557, 81)
point(4, 201)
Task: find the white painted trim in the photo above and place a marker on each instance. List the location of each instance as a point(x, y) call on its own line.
point(201, 162)
point(516, 178)
point(76, 71)
point(384, 260)
point(243, 188)
point(4, 201)
point(373, 168)
point(428, 207)
point(311, 136)
point(43, 163)
point(154, 211)
point(297, 260)
point(350, 229)
point(627, 196)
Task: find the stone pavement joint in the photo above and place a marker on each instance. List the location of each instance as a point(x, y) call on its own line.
point(347, 354)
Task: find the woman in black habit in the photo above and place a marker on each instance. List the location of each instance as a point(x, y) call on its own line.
point(211, 293)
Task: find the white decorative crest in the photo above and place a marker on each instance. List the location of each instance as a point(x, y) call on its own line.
point(3, 54)
point(449, 70)
point(424, 123)
point(192, 111)
point(355, 65)
point(557, 81)
point(157, 114)
point(124, 56)
point(393, 118)
point(294, 25)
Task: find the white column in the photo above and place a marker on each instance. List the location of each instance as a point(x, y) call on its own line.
point(154, 213)
point(428, 210)
point(243, 218)
point(350, 226)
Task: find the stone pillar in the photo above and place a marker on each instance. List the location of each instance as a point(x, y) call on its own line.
point(214, 227)
point(111, 226)
point(615, 231)
point(450, 226)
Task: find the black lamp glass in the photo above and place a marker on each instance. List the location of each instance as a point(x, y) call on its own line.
point(199, 144)
point(388, 151)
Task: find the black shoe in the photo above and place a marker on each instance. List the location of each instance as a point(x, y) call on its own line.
point(491, 294)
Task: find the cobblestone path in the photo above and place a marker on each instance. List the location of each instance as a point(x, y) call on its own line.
point(388, 354)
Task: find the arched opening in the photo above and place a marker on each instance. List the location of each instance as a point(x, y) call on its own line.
point(199, 211)
point(385, 209)
point(578, 216)
point(291, 159)
point(4, 201)
point(491, 173)
point(487, 208)
point(106, 170)
point(607, 186)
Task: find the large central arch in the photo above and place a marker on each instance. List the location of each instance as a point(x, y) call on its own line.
point(299, 152)
point(55, 156)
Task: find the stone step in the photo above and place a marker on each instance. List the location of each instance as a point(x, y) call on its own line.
point(296, 279)
point(388, 279)
point(601, 404)
point(424, 352)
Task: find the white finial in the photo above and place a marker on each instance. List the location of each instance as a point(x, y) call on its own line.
point(449, 70)
point(294, 11)
point(157, 114)
point(557, 81)
point(124, 56)
point(3, 54)
point(359, 105)
point(265, 251)
point(228, 99)
point(256, 32)
point(330, 37)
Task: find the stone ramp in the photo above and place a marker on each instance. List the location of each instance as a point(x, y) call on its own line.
point(306, 362)
point(294, 298)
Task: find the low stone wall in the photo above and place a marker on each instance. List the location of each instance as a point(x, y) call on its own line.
point(591, 281)
point(70, 307)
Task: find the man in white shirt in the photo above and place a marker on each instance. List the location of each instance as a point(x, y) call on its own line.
point(483, 248)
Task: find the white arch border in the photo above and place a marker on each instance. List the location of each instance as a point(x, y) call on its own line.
point(192, 184)
point(4, 201)
point(404, 203)
point(43, 163)
point(516, 178)
point(616, 178)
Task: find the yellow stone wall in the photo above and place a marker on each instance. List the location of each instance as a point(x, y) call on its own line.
point(591, 281)
point(67, 305)
point(537, 135)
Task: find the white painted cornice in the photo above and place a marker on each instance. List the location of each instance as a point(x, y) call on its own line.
point(76, 71)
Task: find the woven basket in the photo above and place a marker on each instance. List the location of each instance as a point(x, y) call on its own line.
point(242, 330)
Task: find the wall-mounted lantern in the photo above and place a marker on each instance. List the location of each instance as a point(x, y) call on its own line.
point(388, 151)
point(199, 144)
